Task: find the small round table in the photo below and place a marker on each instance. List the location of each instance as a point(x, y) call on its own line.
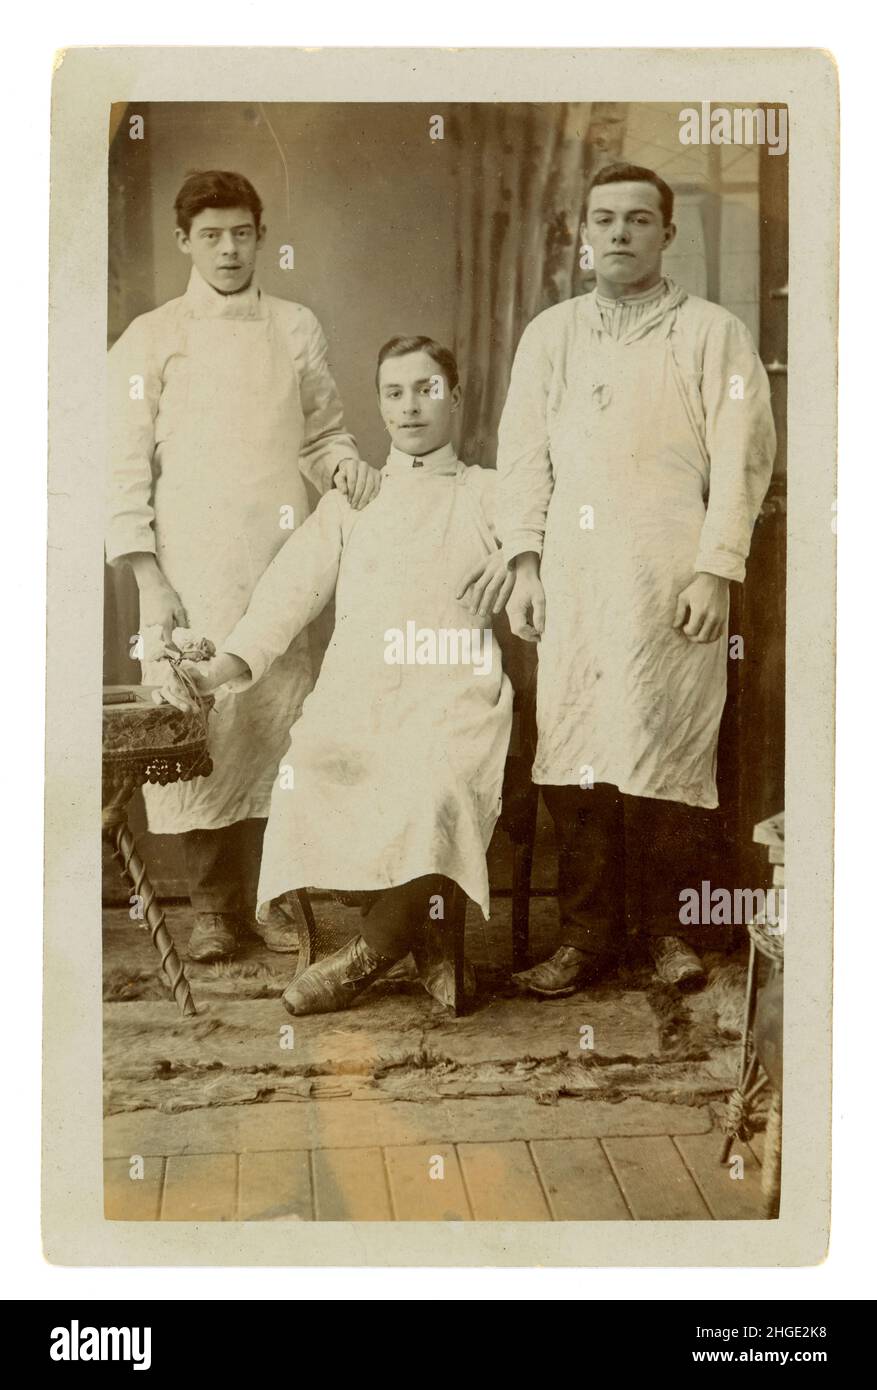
point(146, 742)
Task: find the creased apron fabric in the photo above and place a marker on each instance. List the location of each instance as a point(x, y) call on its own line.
point(227, 466)
point(620, 693)
point(604, 468)
point(202, 473)
point(393, 771)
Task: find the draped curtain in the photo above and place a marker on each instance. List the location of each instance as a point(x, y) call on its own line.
point(130, 291)
point(521, 172)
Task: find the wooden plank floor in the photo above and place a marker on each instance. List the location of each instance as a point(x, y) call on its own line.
point(620, 1178)
point(578, 1180)
point(654, 1181)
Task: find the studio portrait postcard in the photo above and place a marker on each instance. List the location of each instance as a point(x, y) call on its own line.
point(441, 614)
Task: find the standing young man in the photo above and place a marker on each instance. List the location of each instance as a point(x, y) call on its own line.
point(219, 402)
point(635, 449)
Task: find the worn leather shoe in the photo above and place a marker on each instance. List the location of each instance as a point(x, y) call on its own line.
point(438, 980)
point(334, 983)
point(214, 936)
point(563, 973)
point(434, 970)
point(676, 963)
point(277, 931)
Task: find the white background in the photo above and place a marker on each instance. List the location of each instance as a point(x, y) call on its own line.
point(848, 1272)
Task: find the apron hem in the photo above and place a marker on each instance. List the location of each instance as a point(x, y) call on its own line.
point(285, 884)
point(626, 788)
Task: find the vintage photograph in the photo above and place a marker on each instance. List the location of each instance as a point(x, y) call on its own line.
point(444, 660)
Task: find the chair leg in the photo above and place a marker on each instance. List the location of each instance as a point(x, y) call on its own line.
point(522, 871)
point(458, 928)
point(307, 946)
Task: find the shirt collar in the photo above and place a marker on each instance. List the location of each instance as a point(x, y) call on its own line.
point(658, 305)
point(443, 460)
point(656, 292)
point(202, 301)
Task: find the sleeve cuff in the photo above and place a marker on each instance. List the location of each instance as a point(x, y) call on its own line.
point(723, 563)
point(333, 468)
point(248, 652)
point(520, 542)
point(136, 543)
point(321, 471)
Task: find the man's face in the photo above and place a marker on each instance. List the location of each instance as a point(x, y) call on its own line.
point(625, 229)
point(223, 243)
point(416, 404)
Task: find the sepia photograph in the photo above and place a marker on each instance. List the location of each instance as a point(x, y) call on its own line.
point(444, 661)
point(441, 612)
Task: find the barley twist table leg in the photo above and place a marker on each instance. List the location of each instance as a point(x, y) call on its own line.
point(135, 870)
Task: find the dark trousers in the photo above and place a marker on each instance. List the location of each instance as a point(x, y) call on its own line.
point(622, 863)
point(392, 920)
point(222, 866)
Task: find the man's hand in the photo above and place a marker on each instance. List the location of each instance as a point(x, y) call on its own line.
point(485, 588)
point(173, 692)
point(526, 610)
point(358, 481)
point(701, 608)
point(206, 676)
point(160, 605)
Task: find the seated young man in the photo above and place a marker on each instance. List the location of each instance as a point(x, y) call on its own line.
point(393, 777)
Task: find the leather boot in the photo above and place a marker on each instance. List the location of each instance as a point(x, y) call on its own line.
point(676, 963)
point(214, 936)
point(436, 972)
point(563, 973)
point(335, 982)
point(276, 929)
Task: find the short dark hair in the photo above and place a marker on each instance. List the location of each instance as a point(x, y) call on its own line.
point(215, 188)
point(441, 356)
point(634, 173)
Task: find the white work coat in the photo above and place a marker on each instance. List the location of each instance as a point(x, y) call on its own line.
point(218, 405)
point(394, 770)
point(629, 465)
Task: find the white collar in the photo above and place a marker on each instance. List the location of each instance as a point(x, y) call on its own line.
point(654, 292)
point(202, 301)
point(443, 460)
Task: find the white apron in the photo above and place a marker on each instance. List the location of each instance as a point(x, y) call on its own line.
point(228, 432)
point(622, 697)
point(394, 770)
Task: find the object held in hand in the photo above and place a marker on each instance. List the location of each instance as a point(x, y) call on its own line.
point(201, 649)
point(185, 689)
point(194, 650)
